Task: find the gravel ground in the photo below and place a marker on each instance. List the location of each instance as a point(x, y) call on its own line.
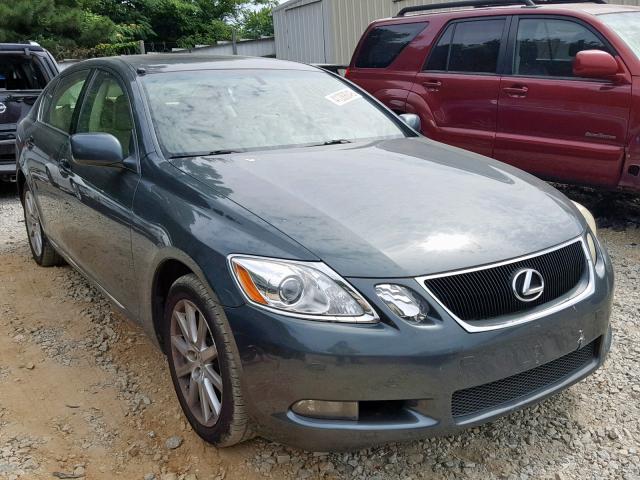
point(84, 394)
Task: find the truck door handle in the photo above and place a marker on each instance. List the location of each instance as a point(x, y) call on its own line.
point(516, 91)
point(29, 143)
point(432, 85)
point(64, 164)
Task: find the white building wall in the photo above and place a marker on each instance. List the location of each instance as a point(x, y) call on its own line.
point(263, 47)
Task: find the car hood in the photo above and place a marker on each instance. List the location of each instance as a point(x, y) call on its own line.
point(395, 208)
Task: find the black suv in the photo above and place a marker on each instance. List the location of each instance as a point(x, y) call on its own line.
point(25, 69)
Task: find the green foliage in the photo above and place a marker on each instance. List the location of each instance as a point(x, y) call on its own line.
point(81, 28)
point(259, 23)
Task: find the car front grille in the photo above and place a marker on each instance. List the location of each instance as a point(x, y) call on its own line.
point(475, 400)
point(488, 293)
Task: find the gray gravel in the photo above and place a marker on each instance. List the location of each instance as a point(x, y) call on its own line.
point(591, 431)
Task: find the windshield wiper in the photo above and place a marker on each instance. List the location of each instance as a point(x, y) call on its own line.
point(338, 141)
point(204, 154)
point(224, 152)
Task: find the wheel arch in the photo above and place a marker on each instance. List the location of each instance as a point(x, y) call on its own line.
point(170, 265)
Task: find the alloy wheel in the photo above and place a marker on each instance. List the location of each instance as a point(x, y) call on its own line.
point(195, 361)
point(33, 223)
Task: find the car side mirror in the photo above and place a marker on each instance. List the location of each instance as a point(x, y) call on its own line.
point(97, 149)
point(412, 120)
point(595, 64)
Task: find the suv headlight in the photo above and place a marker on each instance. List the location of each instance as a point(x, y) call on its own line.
point(308, 290)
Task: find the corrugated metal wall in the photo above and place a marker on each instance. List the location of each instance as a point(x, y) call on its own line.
point(301, 31)
point(351, 17)
point(341, 23)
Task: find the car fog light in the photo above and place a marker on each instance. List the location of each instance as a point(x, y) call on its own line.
point(404, 302)
point(326, 410)
point(592, 248)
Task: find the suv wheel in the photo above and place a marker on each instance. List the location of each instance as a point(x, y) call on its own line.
point(43, 253)
point(203, 363)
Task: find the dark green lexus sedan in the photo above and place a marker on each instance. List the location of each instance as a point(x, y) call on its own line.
point(316, 271)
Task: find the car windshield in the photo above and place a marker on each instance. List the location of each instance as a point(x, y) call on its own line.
point(224, 111)
point(627, 26)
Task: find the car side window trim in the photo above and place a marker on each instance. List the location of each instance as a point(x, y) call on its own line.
point(502, 52)
point(513, 38)
point(134, 153)
point(54, 89)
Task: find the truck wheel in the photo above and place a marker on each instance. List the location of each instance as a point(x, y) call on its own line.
point(42, 251)
point(204, 366)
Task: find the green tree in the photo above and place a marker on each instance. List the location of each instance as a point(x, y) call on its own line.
point(77, 27)
point(60, 25)
point(259, 23)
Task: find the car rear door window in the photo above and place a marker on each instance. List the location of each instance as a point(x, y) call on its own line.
point(106, 109)
point(440, 54)
point(64, 100)
point(547, 47)
point(383, 44)
point(469, 47)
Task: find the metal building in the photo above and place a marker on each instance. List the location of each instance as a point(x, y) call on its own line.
point(327, 31)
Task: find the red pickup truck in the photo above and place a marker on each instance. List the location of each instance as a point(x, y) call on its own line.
point(552, 88)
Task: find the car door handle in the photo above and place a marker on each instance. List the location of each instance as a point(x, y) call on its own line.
point(64, 164)
point(29, 143)
point(432, 85)
point(516, 91)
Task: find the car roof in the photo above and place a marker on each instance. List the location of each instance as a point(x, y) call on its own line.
point(176, 62)
point(587, 8)
point(20, 47)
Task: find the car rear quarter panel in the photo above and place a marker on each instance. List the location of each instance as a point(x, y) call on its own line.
point(393, 84)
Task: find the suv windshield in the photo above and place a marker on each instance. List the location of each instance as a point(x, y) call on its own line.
point(20, 72)
point(200, 112)
point(627, 26)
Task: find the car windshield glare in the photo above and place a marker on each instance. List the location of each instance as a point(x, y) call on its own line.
point(626, 25)
point(201, 112)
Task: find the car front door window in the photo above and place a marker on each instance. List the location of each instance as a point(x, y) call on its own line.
point(547, 47)
point(107, 110)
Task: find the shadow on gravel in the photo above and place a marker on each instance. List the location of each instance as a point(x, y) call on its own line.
point(8, 190)
point(615, 210)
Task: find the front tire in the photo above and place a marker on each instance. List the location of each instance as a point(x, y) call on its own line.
point(42, 251)
point(204, 367)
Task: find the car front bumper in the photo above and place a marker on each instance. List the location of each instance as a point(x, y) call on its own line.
point(407, 374)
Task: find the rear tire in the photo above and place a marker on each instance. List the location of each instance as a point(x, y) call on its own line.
point(204, 365)
point(41, 249)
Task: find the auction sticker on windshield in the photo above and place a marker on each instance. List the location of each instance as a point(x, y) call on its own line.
point(342, 97)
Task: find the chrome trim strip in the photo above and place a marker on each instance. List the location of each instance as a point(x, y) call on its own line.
point(368, 317)
point(518, 320)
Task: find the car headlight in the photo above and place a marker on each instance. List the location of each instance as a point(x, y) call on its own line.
point(588, 217)
point(303, 289)
point(592, 235)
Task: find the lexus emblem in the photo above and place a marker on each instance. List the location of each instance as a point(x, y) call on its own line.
point(3, 108)
point(528, 285)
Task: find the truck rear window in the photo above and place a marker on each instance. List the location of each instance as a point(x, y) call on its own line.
point(383, 44)
point(20, 72)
